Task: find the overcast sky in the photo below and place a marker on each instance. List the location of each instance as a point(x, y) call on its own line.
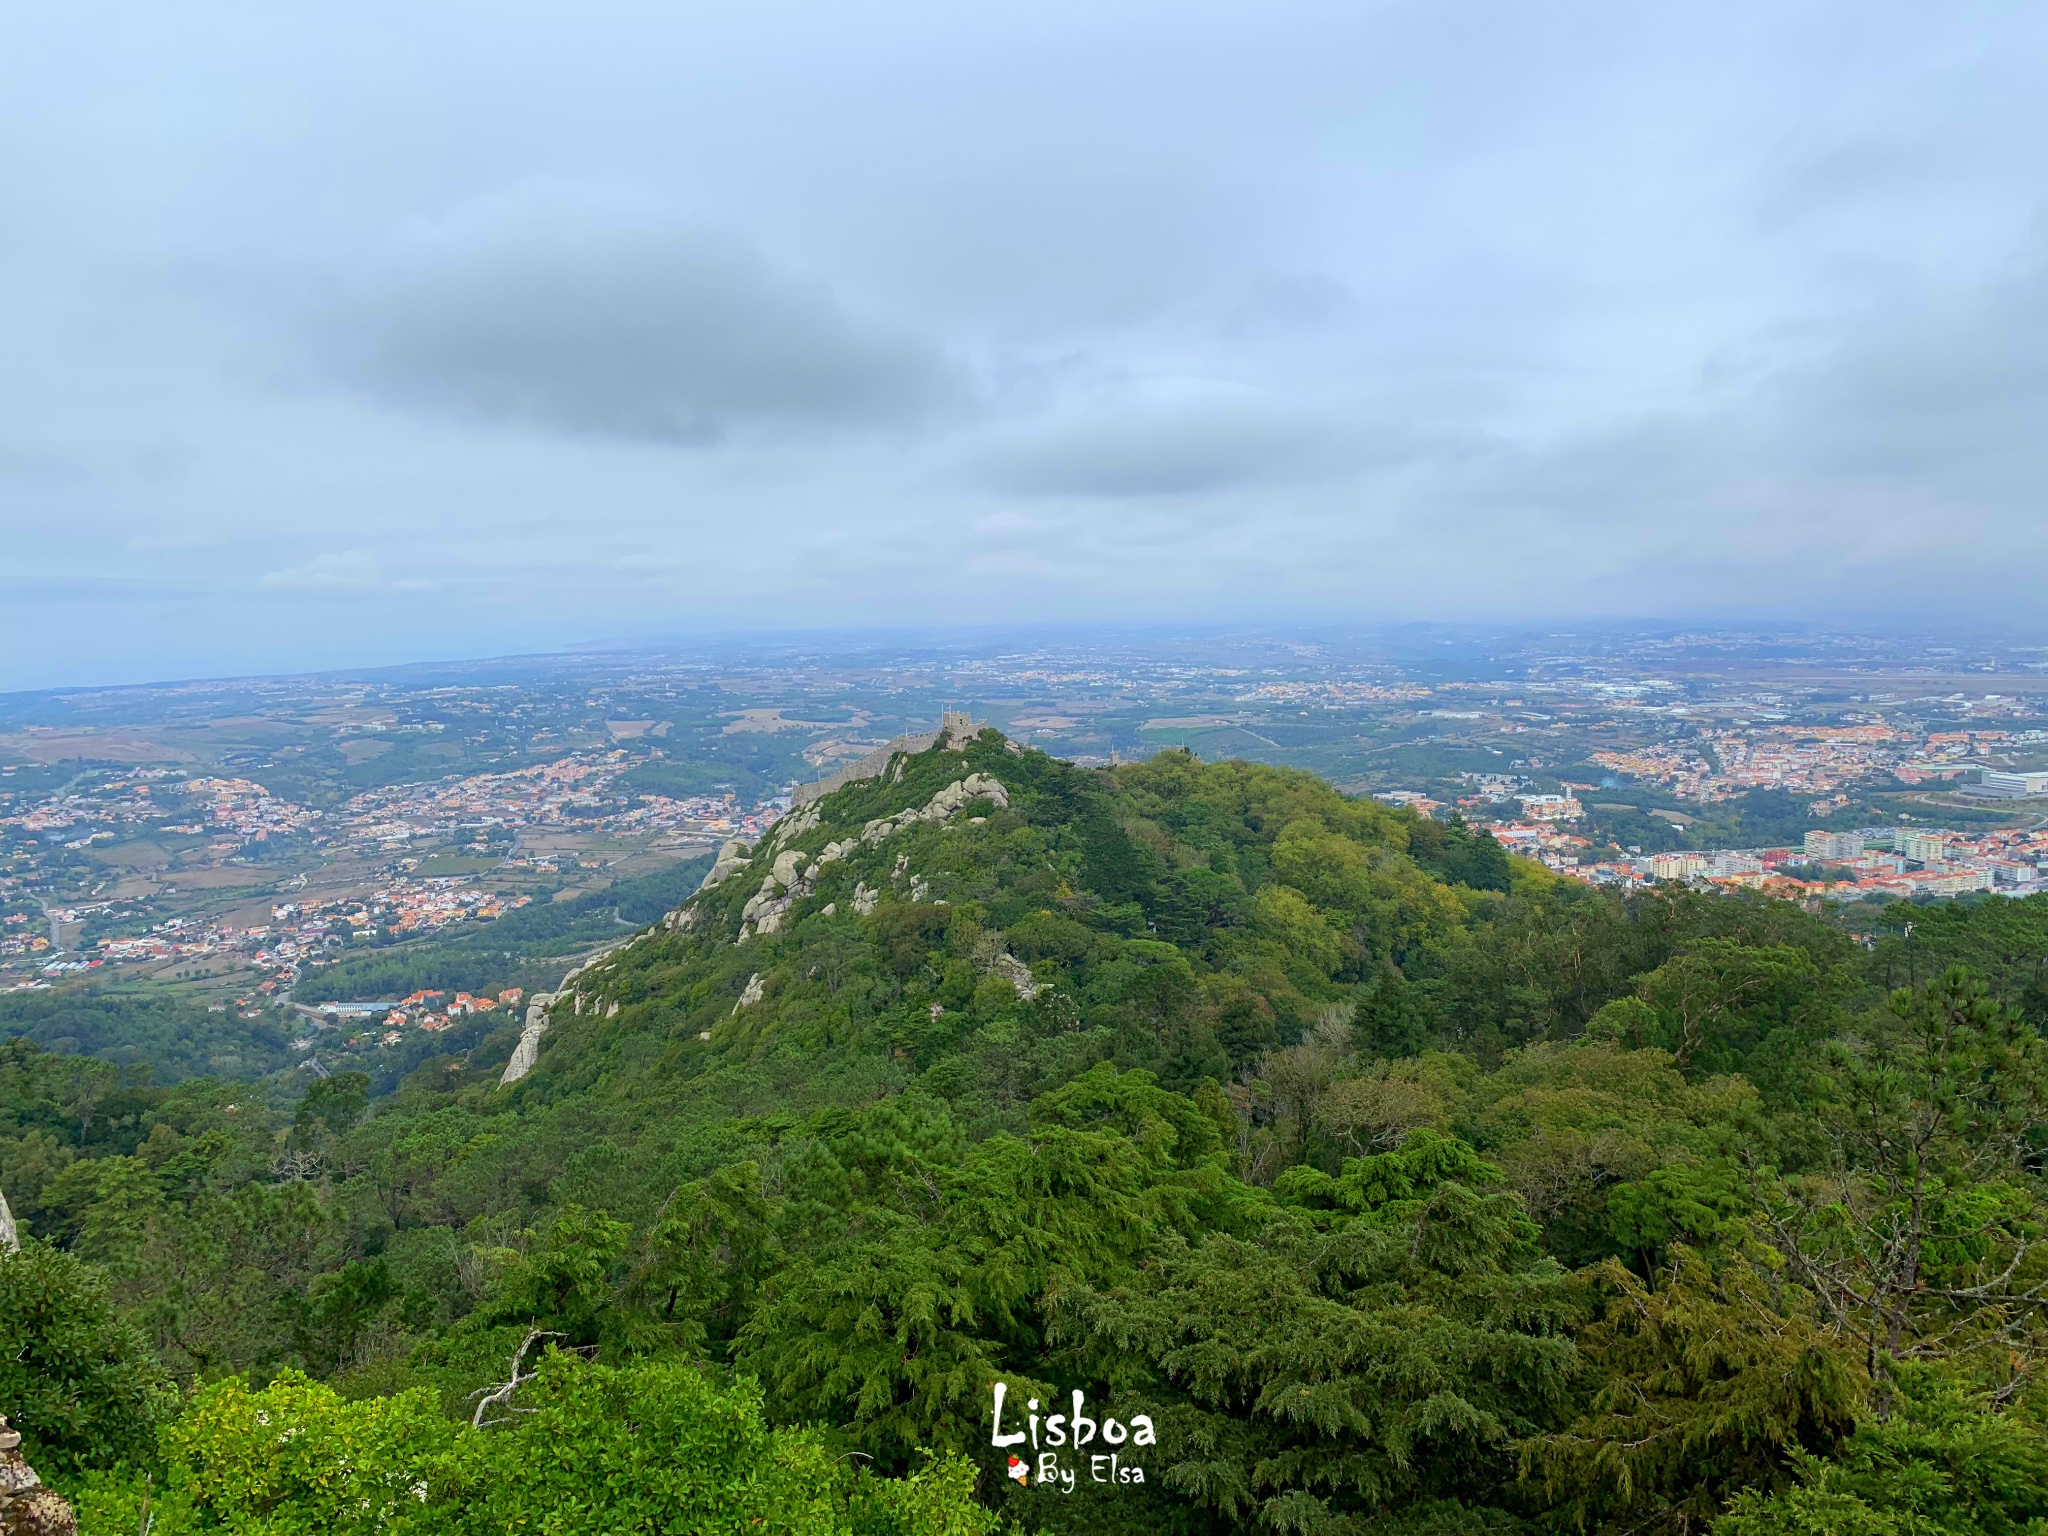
point(345, 333)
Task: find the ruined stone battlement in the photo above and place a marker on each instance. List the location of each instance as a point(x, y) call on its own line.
point(955, 726)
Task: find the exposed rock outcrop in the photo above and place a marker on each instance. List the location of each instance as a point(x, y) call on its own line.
point(955, 729)
point(787, 882)
point(794, 874)
point(27, 1508)
point(942, 806)
point(527, 1051)
point(9, 1238)
point(1017, 974)
point(538, 1009)
point(792, 827)
point(732, 857)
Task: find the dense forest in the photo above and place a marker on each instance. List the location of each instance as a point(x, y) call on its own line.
point(153, 1034)
point(1328, 1168)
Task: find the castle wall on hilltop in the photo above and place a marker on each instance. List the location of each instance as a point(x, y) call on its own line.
point(953, 724)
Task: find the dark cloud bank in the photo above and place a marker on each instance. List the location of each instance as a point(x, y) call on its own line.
point(578, 315)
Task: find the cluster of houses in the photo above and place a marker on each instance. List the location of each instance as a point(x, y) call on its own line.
point(1887, 863)
point(423, 1010)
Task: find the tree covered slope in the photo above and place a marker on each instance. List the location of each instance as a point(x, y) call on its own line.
point(1362, 1179)
point(1175, 917)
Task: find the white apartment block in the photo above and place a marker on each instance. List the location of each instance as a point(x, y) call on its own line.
point(1833, 845)
point(1924, 847)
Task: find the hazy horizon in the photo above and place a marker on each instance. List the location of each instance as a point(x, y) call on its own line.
point(1338, 643)
point(354, 337)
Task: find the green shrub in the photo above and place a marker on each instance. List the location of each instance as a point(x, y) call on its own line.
point(585, 1448)
point(76, 1379)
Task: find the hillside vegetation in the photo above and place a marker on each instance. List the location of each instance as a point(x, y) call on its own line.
point(136, 1029)
point(1384, 1183)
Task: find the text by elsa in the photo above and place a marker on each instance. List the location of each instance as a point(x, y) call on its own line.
point(1062, 1429)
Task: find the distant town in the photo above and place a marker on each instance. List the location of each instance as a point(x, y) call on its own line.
point(236, 842)
point(1887, 863)
point(519, 826)
point(1903, 861)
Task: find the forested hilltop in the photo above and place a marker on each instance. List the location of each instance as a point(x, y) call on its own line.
point(1333, 1171)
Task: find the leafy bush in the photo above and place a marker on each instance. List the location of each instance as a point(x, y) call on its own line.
point(652, 1447)
point(76, 1379)
point(1940, 1466)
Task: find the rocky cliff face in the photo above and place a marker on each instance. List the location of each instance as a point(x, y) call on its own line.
point(527, 1051)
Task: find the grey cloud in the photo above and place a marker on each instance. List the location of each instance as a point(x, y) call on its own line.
point(1159, 451)
point(594, 315)
point(1289, 301)
point(47, 468)
point(1219, 441)
point(1906, 453)
point(112, 590)
point(1814, 180)
point(1950, 395)
point(351, 571)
